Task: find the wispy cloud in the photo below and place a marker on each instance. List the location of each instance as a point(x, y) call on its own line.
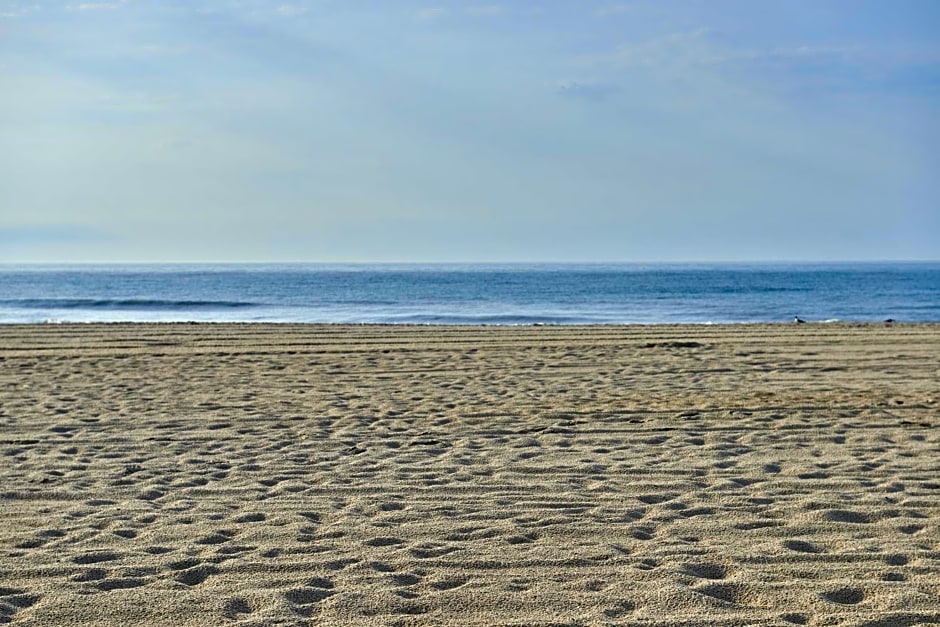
point(15, 9)
point(50, 234)
point(197, 111)
point(833, 68)
point(162, 50)
point(173, 144)
point(681, 48)
point(613, 9)
point(133, 102)
point(701, 47)
point(480, 10)
point(585, 90)
point(290, 10)
point(94, 6)
point(430, 13)
point(487, 10)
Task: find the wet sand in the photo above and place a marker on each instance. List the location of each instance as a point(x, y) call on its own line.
point(388, 475)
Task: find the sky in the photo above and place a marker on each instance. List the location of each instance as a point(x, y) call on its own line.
point(425, 131)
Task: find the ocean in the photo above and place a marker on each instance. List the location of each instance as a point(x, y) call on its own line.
point(504, 294)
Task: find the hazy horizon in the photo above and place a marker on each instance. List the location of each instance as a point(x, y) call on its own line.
point(319, 131)
point(809, 263)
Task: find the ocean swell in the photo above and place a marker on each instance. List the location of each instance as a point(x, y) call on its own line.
point(133, 304)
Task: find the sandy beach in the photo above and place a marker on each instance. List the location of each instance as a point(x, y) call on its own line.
point(205, 474)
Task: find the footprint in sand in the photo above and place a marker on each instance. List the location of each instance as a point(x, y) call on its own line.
point(313, 517)
point(196, 575)
point(706, 571)
point(384, 541)
point(303, 600)
point(340, 564)
point(120, 583)
point(844, 596)
point(802, 546)
point(449, 583)
point(41, 539)
point(183, 564)
point(430, 550)
point(654, 499)
point(647, 564)
point(911, 529)
point(150, 495)
point(127, 534)
point(642, 532)
point(96, 557)
point(846, 516)
point(726, 592)
point(405, 579)
point(620, 609)
point(794, 618)
point(757, 524)
point(526, 538)
point(92, 574)
point(233, 607)
point(13, 600)
point(219, 537)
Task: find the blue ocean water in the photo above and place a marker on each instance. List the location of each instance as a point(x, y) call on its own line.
point(472, 293)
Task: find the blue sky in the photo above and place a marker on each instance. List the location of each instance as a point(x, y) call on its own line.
point(321, 130)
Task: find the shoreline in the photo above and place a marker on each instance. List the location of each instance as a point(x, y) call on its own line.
point(435, 325)
point(285, 473)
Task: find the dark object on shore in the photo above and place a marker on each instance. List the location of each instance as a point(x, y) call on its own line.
point(798, 320)
point(889, 320)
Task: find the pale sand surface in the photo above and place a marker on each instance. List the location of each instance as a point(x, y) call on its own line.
point(370, 475)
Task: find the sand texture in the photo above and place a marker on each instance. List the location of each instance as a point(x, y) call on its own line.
point(374, 475)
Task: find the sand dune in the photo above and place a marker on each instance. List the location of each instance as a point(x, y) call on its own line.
point(373, 475)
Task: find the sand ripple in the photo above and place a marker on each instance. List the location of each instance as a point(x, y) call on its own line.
point(282, 475)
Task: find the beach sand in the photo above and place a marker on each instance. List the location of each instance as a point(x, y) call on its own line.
point(205, 474)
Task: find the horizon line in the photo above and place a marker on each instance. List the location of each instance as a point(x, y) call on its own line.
point(468, 263)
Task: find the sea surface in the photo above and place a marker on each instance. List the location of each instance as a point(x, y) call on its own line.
point(472, 293)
